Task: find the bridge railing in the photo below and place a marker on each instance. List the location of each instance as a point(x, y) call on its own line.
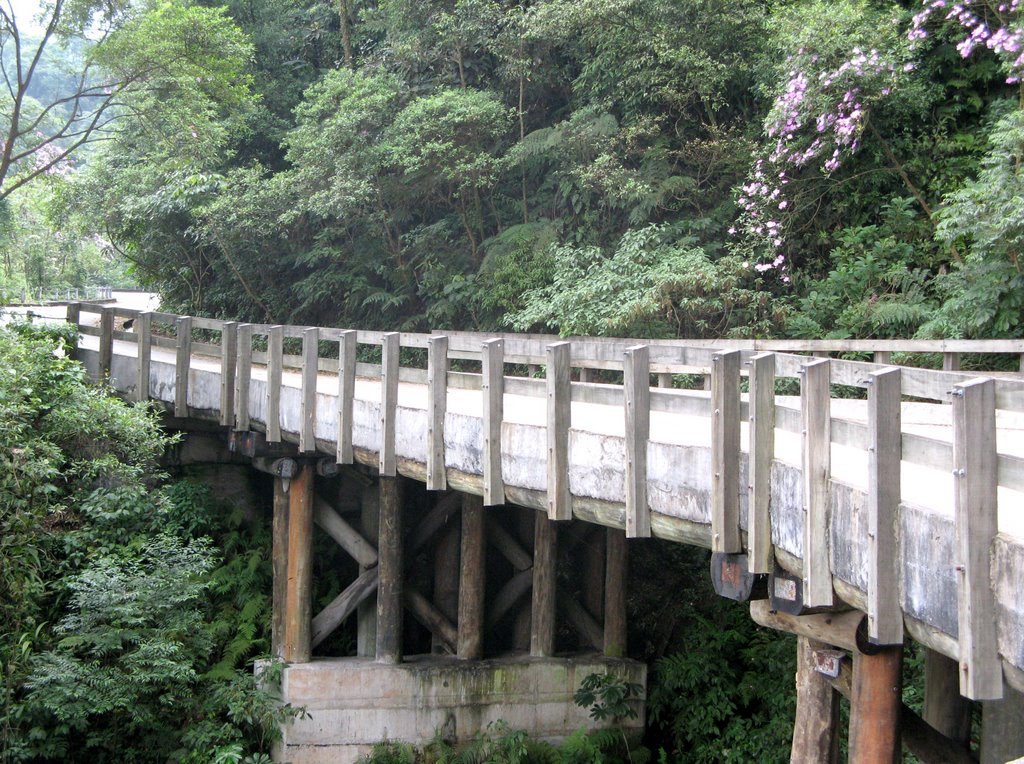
point(40, 295)
point(978, 462)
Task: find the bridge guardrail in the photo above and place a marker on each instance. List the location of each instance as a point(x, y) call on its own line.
point(973, 457)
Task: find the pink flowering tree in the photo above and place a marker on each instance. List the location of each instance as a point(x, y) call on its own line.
point(828, 95)
point(828, 88)
point(996, 26)
point(985, 217)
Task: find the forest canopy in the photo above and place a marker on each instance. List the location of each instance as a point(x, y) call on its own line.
point(634, 167)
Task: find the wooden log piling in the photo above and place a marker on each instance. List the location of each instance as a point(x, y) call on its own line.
point(298, 611)
point(391, 572)
point(472, 580)
point(545, 550)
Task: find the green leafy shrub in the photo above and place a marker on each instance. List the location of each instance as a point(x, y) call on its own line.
point(655, 283)
point(607, 696)
point(729, 699)
point(129, 605)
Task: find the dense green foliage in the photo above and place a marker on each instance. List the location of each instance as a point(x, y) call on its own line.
point(129, 605)
point(628, 167)
point(648, 168)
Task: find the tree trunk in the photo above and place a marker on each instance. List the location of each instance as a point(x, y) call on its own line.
point(346, 33)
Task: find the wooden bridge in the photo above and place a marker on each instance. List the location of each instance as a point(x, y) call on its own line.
point(856, 504)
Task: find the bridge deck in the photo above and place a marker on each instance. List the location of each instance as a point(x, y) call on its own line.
point(928, 550)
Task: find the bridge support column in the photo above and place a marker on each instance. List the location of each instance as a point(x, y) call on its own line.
point(389, 587)
point(815, 738)
point(615, 573)
point(471, 580)
point(945, 709)
point(279, 562)
point(299, 603)
point(1002, 733)
point(446, 578)
point(366, 614)
point(545, 550)
point(875, 703)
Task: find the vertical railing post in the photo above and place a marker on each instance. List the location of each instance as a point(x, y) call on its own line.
point(437, 406)
point(885, 616)
point(243, 377)
point(390, 354)
point(816, 425)
point(559, 418)
point(310, 368)
point(976, 507)
point(106, 343)
point(725, 452)
point(182, 362)
point(493, 388)
point(637, 389)
point(143, 354)
point(346, 394)
point(228, 366)
point(759, 463)
point(275, 364)
point(74, 317)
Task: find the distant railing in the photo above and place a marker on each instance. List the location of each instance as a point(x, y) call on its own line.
point(972, 457)
point(40, 295)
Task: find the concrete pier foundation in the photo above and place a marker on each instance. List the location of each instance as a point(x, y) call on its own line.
point(353, 703)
